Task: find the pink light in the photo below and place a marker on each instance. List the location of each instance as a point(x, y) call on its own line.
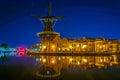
point(21, 51)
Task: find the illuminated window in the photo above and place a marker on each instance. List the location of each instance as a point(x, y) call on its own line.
point(78, 45)
point(85, 60)
point(70, 46)
point(84, 46)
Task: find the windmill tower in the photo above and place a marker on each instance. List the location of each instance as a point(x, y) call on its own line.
point(48, 34)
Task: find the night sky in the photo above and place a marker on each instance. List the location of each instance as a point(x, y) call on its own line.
point(91, 18)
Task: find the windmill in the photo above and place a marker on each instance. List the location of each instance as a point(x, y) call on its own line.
point(48, 22)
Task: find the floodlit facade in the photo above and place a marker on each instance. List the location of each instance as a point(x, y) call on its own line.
point(78, 45)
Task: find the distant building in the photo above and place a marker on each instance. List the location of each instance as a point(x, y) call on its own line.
point(8, 51)
point(78, 45)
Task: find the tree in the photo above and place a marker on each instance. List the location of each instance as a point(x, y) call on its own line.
point(4, 45)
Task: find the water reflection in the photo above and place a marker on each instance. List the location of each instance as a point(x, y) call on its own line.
point(52, 65)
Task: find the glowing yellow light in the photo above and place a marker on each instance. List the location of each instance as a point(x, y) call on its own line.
point(85, 60)
point(58, 49)
point(59, 58)
point(78, 62)
point(53, 46)
point(84, 46)
point(70, 46)
point(40, 59)
point(70, 59)
point(101, 60)
point(78, 45)
point(53, 61)
point(100, 47)
point(103, 45)
point(44, 47)
point(44, 60)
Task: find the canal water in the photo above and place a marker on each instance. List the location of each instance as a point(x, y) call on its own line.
point(60, 68)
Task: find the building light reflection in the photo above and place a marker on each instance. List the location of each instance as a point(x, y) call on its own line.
point(59, 58)
point(78, 62)
point(53, 61)
point(85, 60)
point(44, 60)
